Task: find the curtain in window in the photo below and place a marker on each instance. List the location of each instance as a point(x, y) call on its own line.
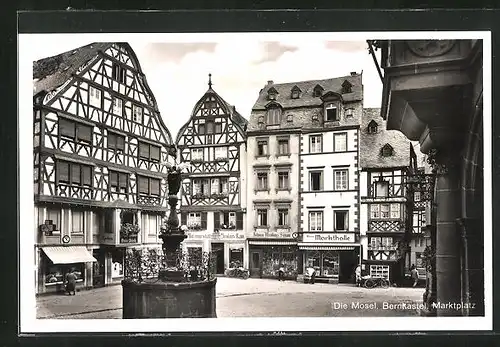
point(77, 221)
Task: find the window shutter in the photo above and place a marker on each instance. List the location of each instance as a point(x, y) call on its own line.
point(87, 175)
point(112, 140)
point(143, 150)
point(120, 142)
point(123, 180)
point(239, 220)
point(155, 186)
point(216, 220)
point(66, 128)
point(75, 173)
point(63, 171)
point(204, 220)
point(84, 133)
point(143, 185)
point(155, 153)
point(113, 178)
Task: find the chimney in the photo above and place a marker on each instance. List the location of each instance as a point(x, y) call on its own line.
point(353, 73)
point(270, 82)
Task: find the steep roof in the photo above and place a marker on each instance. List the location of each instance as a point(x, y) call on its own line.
point(49, 73)
point(371, 144)
point(307, 87)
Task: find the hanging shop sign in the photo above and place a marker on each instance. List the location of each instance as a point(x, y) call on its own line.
point(328, 237)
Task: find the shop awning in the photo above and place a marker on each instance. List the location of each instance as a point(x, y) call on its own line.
point(68, 255)
point(316, 247)
point(271, 243)
point(236, 246)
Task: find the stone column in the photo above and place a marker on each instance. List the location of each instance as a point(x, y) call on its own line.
point(448, 241)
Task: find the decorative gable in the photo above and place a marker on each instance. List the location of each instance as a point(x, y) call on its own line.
point(346, 87)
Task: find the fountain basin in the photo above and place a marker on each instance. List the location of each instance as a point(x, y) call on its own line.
point(157, 299)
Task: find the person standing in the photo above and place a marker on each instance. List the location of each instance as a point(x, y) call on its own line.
point(358, 275)
point(281, 273)
point(71, 282)
point(311, 272)
point(414, 275)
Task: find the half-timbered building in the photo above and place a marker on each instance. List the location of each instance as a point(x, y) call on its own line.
point(213, 194)
point(386, 207)
point(100, 164)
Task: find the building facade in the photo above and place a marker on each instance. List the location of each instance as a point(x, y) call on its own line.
point(101, 154)
point(213, 194)
point(390, 240)
point(433, 93)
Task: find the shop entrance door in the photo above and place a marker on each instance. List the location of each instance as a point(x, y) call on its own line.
point(98, 269)
point(218, 250)
point(255, 263)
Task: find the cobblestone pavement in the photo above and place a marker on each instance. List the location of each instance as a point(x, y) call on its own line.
point(252, 297)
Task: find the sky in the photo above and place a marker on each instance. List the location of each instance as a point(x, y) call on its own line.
point(177, 70)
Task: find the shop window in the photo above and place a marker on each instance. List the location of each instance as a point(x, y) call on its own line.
point(316, 180)
point(236, 257)
point(341, 220)
point(330, 264)
point(195, 256)
point(56, 273)
point(379, 271)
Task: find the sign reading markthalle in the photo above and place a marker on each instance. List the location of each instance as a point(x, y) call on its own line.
point(329, 237)
point(221, 235)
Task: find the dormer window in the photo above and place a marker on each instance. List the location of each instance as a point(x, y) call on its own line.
point(272, 93)
point(346, 87)
point(372, 127)
point(296, 92)
point(387, 150)
point(332, 113)
point(318, 91)
point(348, 112)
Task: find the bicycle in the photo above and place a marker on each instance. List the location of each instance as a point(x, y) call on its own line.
point(237, 272)
point(372, 282)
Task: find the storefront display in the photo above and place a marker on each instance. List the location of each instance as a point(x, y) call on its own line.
point(55, 273)
point(275, 256)
point(236, 257)
point(117, 263)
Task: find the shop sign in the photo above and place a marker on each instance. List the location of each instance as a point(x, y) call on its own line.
point(221, 235)
point(282, 234)
point(108, 238)
point(328, 237)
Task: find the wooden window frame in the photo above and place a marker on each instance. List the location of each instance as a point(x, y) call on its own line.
point(316, 212)
point(335, 142)
point(150, 180)
point(316, 136)
point(119, 179)
point(116, 136)
point(76, 129)
point(70, 181)
point(335, 180)
point(321, 181)
point(148, 158)
point(346, 220)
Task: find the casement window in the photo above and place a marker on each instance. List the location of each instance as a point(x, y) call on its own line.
point(77, 222)
point(340, 142)
point(283, 147)
point(54, 216)
point(119, 73)
point(116, 142)
point(214, 186)
point(274, 115)
point(283, 182)
point(137, 113)
point(197, 187)
point(201, 129)
point(315, 143)
point(228, 220)
point(384, 211)
point(283, 217)
point(316, 180)
point(262, 148)
point(205, 186)
point(315, 221)
point(341, 220)
point(95, 97)
point(381, 188)
point(332, 113)
point(74, 174)
point(149, 186)
point(197, 154)
point(149, 223)
point(341, 180)
point(223, 186)
point(220, 153)
point(395, 210)
point(149, 152)
point(375, 211)
point(262, 181)
point(117, 106)
point(262, 217)
point(378, 211)
point(75, 131)
point(118, 182)
point(194, 219)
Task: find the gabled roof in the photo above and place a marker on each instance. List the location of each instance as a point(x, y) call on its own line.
point(295, 87)
point(272, 90)
point(346, 84)
point(372, 123)
point(307, 87)
point(52, 72)
point(234, 115)
point(318, 87)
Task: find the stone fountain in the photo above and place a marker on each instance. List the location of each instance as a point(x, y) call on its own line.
point(170, 294)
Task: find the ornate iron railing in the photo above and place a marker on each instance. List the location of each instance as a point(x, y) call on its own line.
point(143, 264)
